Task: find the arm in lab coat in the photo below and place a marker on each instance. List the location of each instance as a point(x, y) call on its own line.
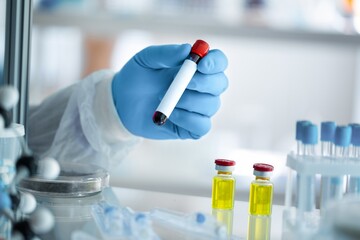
point(80, 124)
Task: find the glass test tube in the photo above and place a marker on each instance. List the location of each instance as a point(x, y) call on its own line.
point(354, 181)
point(299, 151)
point(327, 139)
point(306, 183)
point(341, 142)
point(299, 136)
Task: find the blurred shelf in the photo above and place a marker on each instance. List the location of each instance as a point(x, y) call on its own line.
point(112, 23)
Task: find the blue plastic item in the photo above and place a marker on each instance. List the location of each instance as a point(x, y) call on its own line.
point(342, 136)
point(310, 134)
point(300, 128)
point(327, 131)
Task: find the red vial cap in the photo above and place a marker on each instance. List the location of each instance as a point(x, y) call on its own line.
point(225, 162)
point(263, 167)
point(200, 48)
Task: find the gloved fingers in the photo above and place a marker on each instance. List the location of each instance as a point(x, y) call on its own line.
point(162, 56)
point(201, 103)
point(189, 124)
point(214, 62)
point(214, 84)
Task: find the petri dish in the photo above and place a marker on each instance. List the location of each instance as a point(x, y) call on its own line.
point(75, 180)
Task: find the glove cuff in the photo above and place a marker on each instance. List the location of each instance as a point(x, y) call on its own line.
point(107, 119)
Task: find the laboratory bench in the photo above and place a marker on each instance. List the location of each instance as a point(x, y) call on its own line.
point(141, 200)
point(75, 221)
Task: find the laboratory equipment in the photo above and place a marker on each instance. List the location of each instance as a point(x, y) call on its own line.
point(9, 97)
point(333, 164)
point(223, 185)
point(260, 202)
point(341, 150)
point(23, 202)
point(40, 222)
point(10, 150)
point(327, 138)
point(14, 204)
point(180, 82)
point(6, 215)
point(29, 166)
point(116, 222)
point(306, 183)
point(299, 135)
point(71, 198)
point(354, 182)
point(75, 180)
point(299, 129)
point(197, 225)
point(261, 190)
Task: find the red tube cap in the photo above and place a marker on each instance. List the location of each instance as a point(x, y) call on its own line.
point(225, 162)
point(200, 48)
point(263, 167)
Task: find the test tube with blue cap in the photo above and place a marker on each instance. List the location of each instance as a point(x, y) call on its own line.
point(327, 138)
point(354, 181)
point(306, 190)
point(299, 151)
point(299, 135)
point(341, 142)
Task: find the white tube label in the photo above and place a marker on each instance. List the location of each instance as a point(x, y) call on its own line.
point(177, 87)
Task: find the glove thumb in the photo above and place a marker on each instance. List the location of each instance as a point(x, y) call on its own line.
point(164, 56)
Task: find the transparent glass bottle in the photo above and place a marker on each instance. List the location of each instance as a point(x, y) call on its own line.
point(223, 186)
point(261, 190)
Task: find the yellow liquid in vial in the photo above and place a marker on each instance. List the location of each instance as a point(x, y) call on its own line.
point(223, 191)
point(260, 202)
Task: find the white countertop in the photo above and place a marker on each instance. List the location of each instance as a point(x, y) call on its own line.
point(140, 200)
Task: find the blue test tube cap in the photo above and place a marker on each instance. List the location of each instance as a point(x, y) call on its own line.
point(355, 135)
point(310, 134)
point(327, 132)
point(300, 129)
point(342, 136)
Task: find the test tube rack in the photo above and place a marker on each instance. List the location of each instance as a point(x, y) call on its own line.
point(295, 224)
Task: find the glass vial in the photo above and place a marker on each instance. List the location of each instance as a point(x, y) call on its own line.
point(223, 185)
point(261, 190)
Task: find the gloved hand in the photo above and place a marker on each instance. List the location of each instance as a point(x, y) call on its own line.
point(141, 84)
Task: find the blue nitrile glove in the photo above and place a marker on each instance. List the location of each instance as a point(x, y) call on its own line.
point(141, 84)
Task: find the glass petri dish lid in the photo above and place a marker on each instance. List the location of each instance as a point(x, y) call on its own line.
point(75, 180)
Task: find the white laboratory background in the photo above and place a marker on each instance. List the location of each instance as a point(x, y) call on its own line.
point(288, 60)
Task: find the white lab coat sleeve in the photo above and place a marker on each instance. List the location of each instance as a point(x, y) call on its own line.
point(80, 124)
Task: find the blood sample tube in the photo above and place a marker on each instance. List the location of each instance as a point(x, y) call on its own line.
point(342, 142)
point(180, 82)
